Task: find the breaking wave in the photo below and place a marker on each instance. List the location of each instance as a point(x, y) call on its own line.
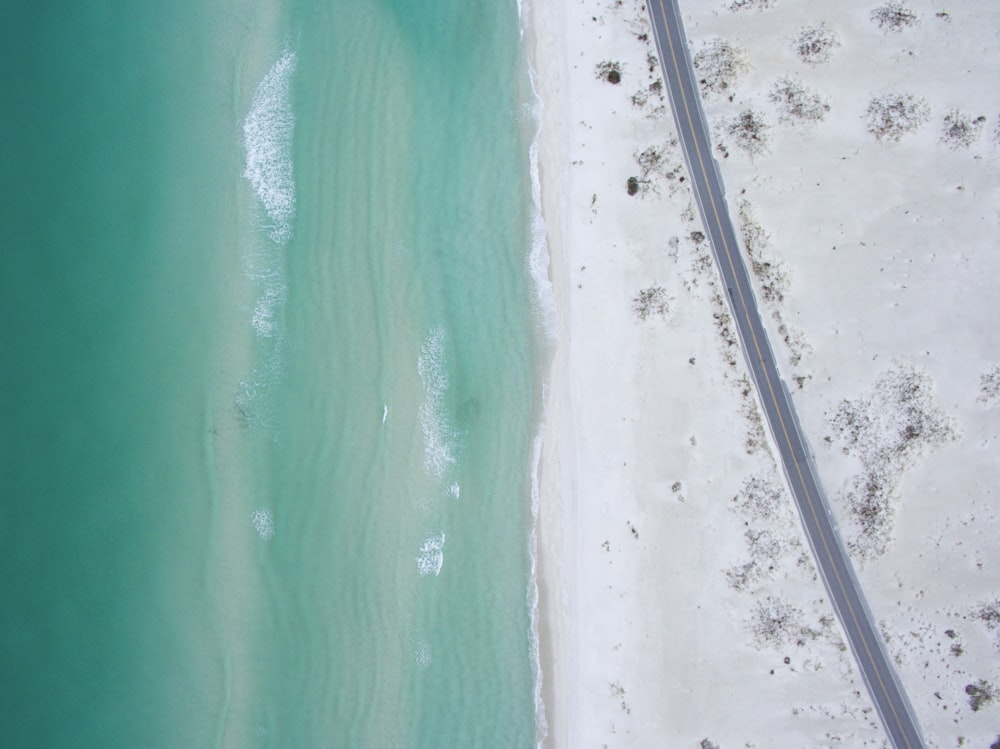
point(263, 523)
point(538, 255)
point(431, 556)
point(439, 451)
point(267, 138)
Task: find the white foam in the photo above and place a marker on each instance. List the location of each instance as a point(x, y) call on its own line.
point(263, 522)
point(267, 138)
point(438, 448)
point(541, 726)
point(422, 654)
point(264, 318)
point(431, 556)
point(538, 255)
point(385, 412)
point(455, 491)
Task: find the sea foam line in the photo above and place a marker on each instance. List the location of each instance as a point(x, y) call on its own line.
point(541, 725)
point(538, 255)
point(538, 262)
point(267, 139)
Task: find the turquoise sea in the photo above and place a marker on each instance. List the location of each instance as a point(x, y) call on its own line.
point(270, 371)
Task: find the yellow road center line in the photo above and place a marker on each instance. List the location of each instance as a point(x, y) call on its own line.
point(770, 387)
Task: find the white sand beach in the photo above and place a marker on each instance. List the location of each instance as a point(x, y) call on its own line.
point(679, 603)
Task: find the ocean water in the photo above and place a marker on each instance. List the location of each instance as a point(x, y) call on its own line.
point(269, 375)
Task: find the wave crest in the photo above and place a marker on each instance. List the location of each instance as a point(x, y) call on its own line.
point(267, 139)
point(431, 557)
point(439, 452)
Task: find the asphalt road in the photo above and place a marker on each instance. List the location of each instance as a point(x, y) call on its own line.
point(831, 558)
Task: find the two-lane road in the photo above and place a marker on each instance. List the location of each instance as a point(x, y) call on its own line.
point(831, 558)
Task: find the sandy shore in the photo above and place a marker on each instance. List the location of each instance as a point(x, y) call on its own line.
point(678, 600)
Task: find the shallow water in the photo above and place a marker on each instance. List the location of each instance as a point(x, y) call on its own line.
point(270, 376)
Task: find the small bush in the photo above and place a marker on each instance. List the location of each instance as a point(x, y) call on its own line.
point(894, 16)
point(981, 694)
point(891, 116)
point(961, 130)
point(609, 71)
point(750, 131)
point(651, 301)
point(796, 103)
point(719, 66)
point(775, 622)
point(815, 45)
point(632, 185)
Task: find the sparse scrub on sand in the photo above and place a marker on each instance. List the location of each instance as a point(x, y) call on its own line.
point(961, 130)
point(795, 340)
point(989, 614)
point(761, 499)
point(989, 386)
point(651, 301)
point(894, 16)
point(766, 549)
point(660, 163)
point(771, 274)
point(887, 430)
point(796, 102)
point(738, 5)
point(774, 622)
point(755, 438)
point(719, 66)
point(891, 116)
point(610, 71)
point(642, 96)
point(814, 45)
point(724, 326)
point(750, 131)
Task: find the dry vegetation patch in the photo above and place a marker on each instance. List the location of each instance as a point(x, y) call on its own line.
point(989, 614)
point(894, 16)
point(610, 71)
point(981, 694)
point(989, 386)
point(815, 44)
point(761, 498)
point(797, 103)
point(961, 130)
point(660, 163)
point(719, 66)
point(771, 274)
point(774, 622)
point(887, 430)
point(739, 5)
point(651, 301)
point(750, 131)
point(891, 116)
